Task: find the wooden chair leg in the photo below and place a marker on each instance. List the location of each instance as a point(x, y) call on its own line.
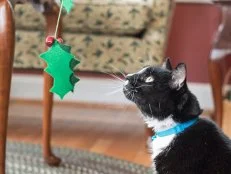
point(216, 82)
point(149, 132)
point(6, 60)
point(51, 18)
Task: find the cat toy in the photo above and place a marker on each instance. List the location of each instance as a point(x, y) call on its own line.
point(60, 62)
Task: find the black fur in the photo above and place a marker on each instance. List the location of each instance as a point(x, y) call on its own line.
point(200, 149)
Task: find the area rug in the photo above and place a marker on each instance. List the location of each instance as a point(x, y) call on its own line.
point(25, 158)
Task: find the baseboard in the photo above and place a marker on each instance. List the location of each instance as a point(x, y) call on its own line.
point(92, 90)
point(203, 93)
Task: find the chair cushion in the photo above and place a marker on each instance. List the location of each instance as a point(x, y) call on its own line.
point(125, 2)
point(93, 16)
point(97, 53)
point(27, 18)
point(107, 19)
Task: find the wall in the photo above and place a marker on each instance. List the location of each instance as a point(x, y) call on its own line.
point(190, 37)
point(30, 87)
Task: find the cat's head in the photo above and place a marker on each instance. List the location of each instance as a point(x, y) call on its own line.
point(160, 92)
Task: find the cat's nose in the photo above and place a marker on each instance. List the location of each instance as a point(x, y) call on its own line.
point(126, 82)
point(129, 79)
point(129, 76)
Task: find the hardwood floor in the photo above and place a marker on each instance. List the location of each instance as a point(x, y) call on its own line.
point(117, 132)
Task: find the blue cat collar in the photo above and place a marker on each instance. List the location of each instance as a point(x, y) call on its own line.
point(175, 130)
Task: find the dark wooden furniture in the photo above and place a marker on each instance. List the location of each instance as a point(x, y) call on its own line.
point(218, 62)
point(6, 61)
point(7, 35)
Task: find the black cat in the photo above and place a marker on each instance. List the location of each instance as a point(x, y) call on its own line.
point(184, 143)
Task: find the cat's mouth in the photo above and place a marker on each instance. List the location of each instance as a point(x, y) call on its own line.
point(129, 93)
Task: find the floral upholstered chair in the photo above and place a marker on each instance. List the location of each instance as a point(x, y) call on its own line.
point(124, 33)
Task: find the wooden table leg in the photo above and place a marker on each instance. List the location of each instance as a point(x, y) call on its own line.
point(51, 19)
point(216, 82)
point(6, 60)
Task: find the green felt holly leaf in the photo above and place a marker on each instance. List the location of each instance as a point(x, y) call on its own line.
point(74, 80)
point(66, 48)
point(60, 65)
point(68, 5)
point(73, 63)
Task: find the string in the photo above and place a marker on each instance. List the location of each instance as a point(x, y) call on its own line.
point(58, 21)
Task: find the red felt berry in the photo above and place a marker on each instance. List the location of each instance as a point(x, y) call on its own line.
point(49, 41)
point(60, 40)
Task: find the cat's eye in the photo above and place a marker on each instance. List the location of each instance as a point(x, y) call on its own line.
point(149, 79)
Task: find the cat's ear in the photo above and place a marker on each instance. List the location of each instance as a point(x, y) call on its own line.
point(167, 64)
point(178, 76)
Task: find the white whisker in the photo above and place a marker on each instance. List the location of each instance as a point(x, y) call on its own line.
point(133, 94)
point(143, 86)
point(116, 77)
point(115, 81)
point(115, 87)
point(150, 109)
point(119, 71)
point(136, 79)
point(110, 87)
point(113, 92)
point(113, 75)
point(130, 92)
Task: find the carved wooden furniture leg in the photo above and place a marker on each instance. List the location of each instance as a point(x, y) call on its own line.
point(51, 19)
point(6, 61)
point(216, 82)
point(149, 132)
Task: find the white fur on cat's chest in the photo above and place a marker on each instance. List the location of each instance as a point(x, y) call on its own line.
point(160, 143)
